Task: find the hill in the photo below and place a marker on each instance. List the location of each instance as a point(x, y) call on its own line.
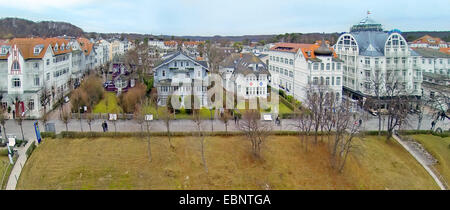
point(16, 27)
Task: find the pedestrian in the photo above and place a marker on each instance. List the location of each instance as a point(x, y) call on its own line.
point(433, 123)
point(360, 121)
point(103, 126)
point(235, 119)
point(106, 126)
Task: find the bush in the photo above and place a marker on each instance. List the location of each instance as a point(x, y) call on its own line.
point(4, 152)
point(48, 135)
point(30, 149)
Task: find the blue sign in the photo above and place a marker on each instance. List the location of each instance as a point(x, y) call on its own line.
point(38, 133)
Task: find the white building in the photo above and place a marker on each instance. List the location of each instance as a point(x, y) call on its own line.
point(300, 65)
point(428, 41)
point(371, 55)
point(182, 75)
point(28, 66)
point(246, 75)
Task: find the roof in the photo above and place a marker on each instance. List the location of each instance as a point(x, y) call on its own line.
point(171, 43)
point(371, 43)
point(445, 50)
point(26, 47)
point(430, 53)
point(174, 55)
point(245, 63)
point(86, 45)
point(306, 49)
point(429, 40)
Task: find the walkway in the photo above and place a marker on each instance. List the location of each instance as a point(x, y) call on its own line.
point(425, 164)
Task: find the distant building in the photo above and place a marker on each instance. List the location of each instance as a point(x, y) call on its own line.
point(428, 41)
point(370, 54)
point(300, 66)
point(246, 75)
point(182, 74)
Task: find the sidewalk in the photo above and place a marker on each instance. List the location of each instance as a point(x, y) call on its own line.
point(422, 162)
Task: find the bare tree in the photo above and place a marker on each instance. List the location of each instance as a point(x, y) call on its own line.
point(198, 122)
point(78, 99)
point(20, 117)
point(304, 123)
point(215, 56)
point(89, 120)
point(139, 116)
point(346, 129)
point(167, 117)
point(226, 117)
point(315, 102)
point(3, 119)
point(255, 130)
point(65, 118)
point(398, 106)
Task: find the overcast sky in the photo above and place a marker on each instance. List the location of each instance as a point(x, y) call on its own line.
point(231, 17)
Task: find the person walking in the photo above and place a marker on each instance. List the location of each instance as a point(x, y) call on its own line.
point(433, 123)
point(106, 126)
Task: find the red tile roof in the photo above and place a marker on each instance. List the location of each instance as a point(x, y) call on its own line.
point(295, 47)
point(26, 46)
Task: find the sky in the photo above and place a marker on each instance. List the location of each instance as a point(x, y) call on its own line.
point(231, 17)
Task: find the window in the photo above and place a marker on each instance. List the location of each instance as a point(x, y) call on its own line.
point(316, 66)
point(199, 74)
point(31, 104)
point(291, 74)
point(36, 81)
point(315, 81)
point(164, 73)
point(281, 60)
point(36, 65)
point(338, 81)
point(338, 66)
point(16, 82)
point(48, 76)
point(328, 66)
point(327, 81)
point(48, 62)
point(175, 64)
point(322, 66)
point(16, 66)
point(291, 62)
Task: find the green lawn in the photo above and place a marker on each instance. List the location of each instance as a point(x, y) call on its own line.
point(111, 100)
point(440, 149)
point(4, 164)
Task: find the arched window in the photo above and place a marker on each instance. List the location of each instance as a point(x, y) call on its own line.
point(16, 66)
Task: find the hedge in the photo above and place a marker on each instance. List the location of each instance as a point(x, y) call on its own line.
point(30, 149)
point(48, 135)
point(73, 134)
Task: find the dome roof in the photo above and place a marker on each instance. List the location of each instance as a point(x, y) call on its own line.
point(323, 49)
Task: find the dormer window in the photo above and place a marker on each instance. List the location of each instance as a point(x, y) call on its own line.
point(4, 50)
point(56, 48)
point(62, 47)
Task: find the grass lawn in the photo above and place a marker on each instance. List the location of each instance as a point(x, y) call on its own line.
point(123, 164)
point(110, 99)
point(440, 149)
point(4, 164)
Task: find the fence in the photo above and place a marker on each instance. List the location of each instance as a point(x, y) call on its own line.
point(101, 116)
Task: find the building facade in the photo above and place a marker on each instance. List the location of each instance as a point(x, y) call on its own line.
point(181, 75)
point(245, 75)
point(373, 56)
point(300, 66)
point(31, 68)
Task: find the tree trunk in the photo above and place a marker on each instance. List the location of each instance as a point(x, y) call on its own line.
point(203, 154)
point(149, 149)
point(21, 130)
